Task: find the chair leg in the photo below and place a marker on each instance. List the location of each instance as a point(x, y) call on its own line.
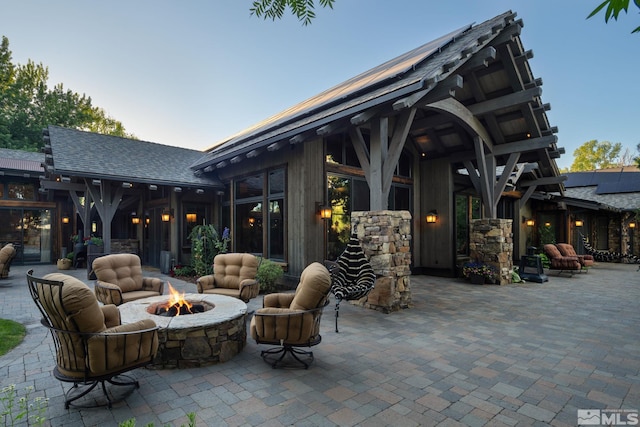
point(337, 312)
point(76, 392)
point(275, 356)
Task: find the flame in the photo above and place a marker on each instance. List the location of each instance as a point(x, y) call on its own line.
point(177, 299)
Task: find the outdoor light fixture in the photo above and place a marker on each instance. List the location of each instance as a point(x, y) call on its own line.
point(166, 215)
point(127, 185)
point(432, 217)
point(632, 225)
point(95, 181)
point(323, 210)
point(530, 222)
point(177, 189)
point(199, 191)
point(135, 220)
point(65, 219)
point(547, 224)
point(94, 227)
point(579, 223)
point(153, 187)
point(252, 221)
point(191, 217)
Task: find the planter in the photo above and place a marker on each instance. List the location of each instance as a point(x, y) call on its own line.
point(477, 279)
point(64, 264)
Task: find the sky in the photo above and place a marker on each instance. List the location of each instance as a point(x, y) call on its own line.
point(193, 73)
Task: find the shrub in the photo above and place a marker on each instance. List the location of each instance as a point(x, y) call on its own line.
point(268, 274)
point(205, 245)
point(485, 270)
point(183, 270)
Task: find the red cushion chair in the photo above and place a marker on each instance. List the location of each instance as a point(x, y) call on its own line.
point(567, 250)
point(560, 262)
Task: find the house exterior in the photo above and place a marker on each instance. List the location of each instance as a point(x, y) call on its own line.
point(454, 130)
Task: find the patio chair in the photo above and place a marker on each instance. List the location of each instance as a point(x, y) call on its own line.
point(560, 262)
point(353, 277)
point(7, 253)
point(292, 320)
point(92, 346)
point(119, 279)
point(234, 275)
point(585, 261)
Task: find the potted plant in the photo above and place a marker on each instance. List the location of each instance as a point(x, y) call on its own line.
point(479, 273)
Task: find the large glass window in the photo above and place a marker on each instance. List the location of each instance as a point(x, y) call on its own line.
point(254, 223)
point(21, 191)
point(30, 232)
point(467, 208)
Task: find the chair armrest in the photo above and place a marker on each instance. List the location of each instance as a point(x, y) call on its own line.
point(205, 282)
point(249, 288)
point(111, 315)
point(153, 284)
point(283, 324)
point(278, 300)
point(108, 293)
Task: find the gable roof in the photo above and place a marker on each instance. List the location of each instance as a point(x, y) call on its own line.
point(92, 155)
point(484, 64)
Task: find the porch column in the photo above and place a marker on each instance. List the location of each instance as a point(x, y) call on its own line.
point(491, 242)
point(385, 237)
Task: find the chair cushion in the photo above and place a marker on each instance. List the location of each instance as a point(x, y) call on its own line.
point(123, 270)
point(83, 313)
point(566, 249)
point(315, 282)
point(230, 269)
point(552, 251)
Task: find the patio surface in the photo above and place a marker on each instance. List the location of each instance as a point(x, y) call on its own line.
point(522, 354)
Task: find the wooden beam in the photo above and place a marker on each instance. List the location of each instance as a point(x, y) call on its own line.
point(362, 118)
point(525, 145)
point(360, 147)
point(454, 108)
point(547, 180)
point(509, 168)
point(398, 139)
point(511, 100)
point(276, 146)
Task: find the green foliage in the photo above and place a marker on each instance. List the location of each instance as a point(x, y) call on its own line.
point(206, 243)
point(614, 7)
point(11, 334)
point(545, 260)
point(22, 410)
point(547, 235)
point(27, 105)
point(594, 155)
point(268, 275)
point(93, 240)
point(183, 270)
point(274, 9)
point(70, 255)
point(487, 271)
point(131, 422)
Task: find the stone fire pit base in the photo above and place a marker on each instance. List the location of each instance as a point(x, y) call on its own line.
point(194, 340)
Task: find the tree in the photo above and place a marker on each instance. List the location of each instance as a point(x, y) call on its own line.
point(302, 9)
point(614, 7)
point(595, 155)
point(27, 105)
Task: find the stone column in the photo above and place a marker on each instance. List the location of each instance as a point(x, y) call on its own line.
point(491, 242)
point(385, 237)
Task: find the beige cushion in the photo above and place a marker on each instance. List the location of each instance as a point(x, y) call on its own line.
point(123, 270)
point(314, 285)
point(230, 269)
point(81, 305)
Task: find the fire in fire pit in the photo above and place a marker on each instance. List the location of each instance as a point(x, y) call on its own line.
point(177, 305)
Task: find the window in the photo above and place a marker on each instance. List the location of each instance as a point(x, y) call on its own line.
point(21, 191)
point(259, 214)
point(467, 208)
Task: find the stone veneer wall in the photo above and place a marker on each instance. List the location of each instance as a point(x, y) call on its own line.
point(385, 237)
point(491, 242)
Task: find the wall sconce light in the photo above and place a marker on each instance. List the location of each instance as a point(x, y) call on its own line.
point(135, 220)
point(166, 215)
point(432, 217)
point(127, 185)
point(547, 224)
point(147, 220)
point(579, 223)
point(191, 217)
point(153, 187)
point(323, 210)
point(65, 219)
point(529, 222)
point(632, 224)
point(94, 227)
point(252, 221)
point(199, 191)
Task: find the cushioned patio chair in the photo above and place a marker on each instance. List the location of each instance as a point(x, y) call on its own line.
point(234, 275)
point(567, 250)
point(292, 320)
point(560, 262)
point(352, 275)
point(119, 279)
point(7, 253)
point(91, 345)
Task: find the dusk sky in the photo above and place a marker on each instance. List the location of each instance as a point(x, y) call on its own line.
point(192, 73)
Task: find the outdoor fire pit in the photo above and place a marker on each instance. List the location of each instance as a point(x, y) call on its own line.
point(213, 334)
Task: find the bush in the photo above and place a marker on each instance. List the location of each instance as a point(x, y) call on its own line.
point(183, 270)
point(268, 274)
point(205, 245)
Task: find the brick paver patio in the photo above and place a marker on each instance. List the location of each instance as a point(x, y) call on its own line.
point(522, 354)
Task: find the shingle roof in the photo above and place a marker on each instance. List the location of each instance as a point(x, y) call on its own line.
point(361, 92)
point(21, 161)
point(619, 187)
point(92, 155)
